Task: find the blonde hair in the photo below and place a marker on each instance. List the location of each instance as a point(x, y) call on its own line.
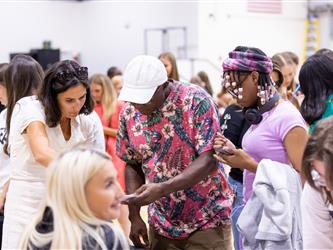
point(116, 79)
point(283, 60)
point(172, 59)
point(73, 220)
point(109, 98)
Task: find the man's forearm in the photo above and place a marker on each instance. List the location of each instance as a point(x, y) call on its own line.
point(134, 179)
point(204, 165)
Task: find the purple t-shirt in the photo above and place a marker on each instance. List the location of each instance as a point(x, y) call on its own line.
point(265, 140)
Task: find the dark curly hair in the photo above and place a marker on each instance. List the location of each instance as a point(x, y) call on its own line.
point(60, 77)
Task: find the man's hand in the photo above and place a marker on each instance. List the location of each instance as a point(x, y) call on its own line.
point(146, 194)
point(138, 232)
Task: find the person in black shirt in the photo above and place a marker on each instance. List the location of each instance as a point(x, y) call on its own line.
point(234, 127)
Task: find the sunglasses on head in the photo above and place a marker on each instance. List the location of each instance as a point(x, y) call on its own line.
point(81, 73)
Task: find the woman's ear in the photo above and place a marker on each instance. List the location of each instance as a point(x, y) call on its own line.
point(255, 76)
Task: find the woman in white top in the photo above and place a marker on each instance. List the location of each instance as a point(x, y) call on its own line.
point(39, 127)
point(317, 197)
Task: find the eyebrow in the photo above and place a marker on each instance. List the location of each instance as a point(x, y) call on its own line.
point(69, 98)
point(110, 178)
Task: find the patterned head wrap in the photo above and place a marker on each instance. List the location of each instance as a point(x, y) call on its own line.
point(247, 61)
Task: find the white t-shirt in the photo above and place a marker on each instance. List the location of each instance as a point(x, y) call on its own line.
point(316, 220)
point(85, 130)
point(4, 158)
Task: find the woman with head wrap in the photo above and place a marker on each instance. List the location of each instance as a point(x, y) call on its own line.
point(277, 132)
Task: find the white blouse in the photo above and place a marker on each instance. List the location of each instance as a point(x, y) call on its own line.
point(86, 130)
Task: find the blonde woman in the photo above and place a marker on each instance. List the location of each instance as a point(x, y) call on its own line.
point(108, 108)
point(170, 64)
point(83, 197)
point(117, 83)
point(288, 86)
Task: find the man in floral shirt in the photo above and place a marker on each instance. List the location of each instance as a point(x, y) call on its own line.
point(166, 135)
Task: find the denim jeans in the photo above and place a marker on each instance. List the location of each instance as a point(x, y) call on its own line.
point(237, 208)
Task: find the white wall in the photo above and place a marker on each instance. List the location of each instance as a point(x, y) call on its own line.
point(104, 33)
point(223, 25)
point(325, 27)
point(111, 33)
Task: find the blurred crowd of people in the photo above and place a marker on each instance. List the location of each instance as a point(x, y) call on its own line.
point(81, 151)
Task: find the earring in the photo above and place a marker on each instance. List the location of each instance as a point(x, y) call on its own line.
point(227, 85)
point(240, 93)
point(261, 94)
point(258, 91)
point(262, 97)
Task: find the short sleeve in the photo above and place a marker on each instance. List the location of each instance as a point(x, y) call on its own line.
point(93, 130)
point(26, 111)
point(291, 118)
point(123, 148)
point(205, 123)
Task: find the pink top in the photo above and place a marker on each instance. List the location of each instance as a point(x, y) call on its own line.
point(265, 140)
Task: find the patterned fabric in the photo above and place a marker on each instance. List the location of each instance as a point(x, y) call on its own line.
point(247, 61)
point(166, 143)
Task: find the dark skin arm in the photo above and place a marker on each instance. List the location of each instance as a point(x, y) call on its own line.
point(135, 178)
point(204, 165)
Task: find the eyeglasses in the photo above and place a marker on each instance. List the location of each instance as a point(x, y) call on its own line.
point(81, 73)
point(232, 87)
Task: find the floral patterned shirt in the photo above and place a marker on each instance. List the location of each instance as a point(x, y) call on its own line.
point(166, 143)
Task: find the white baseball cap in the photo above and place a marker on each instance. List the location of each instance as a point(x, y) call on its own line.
point(142, 76)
